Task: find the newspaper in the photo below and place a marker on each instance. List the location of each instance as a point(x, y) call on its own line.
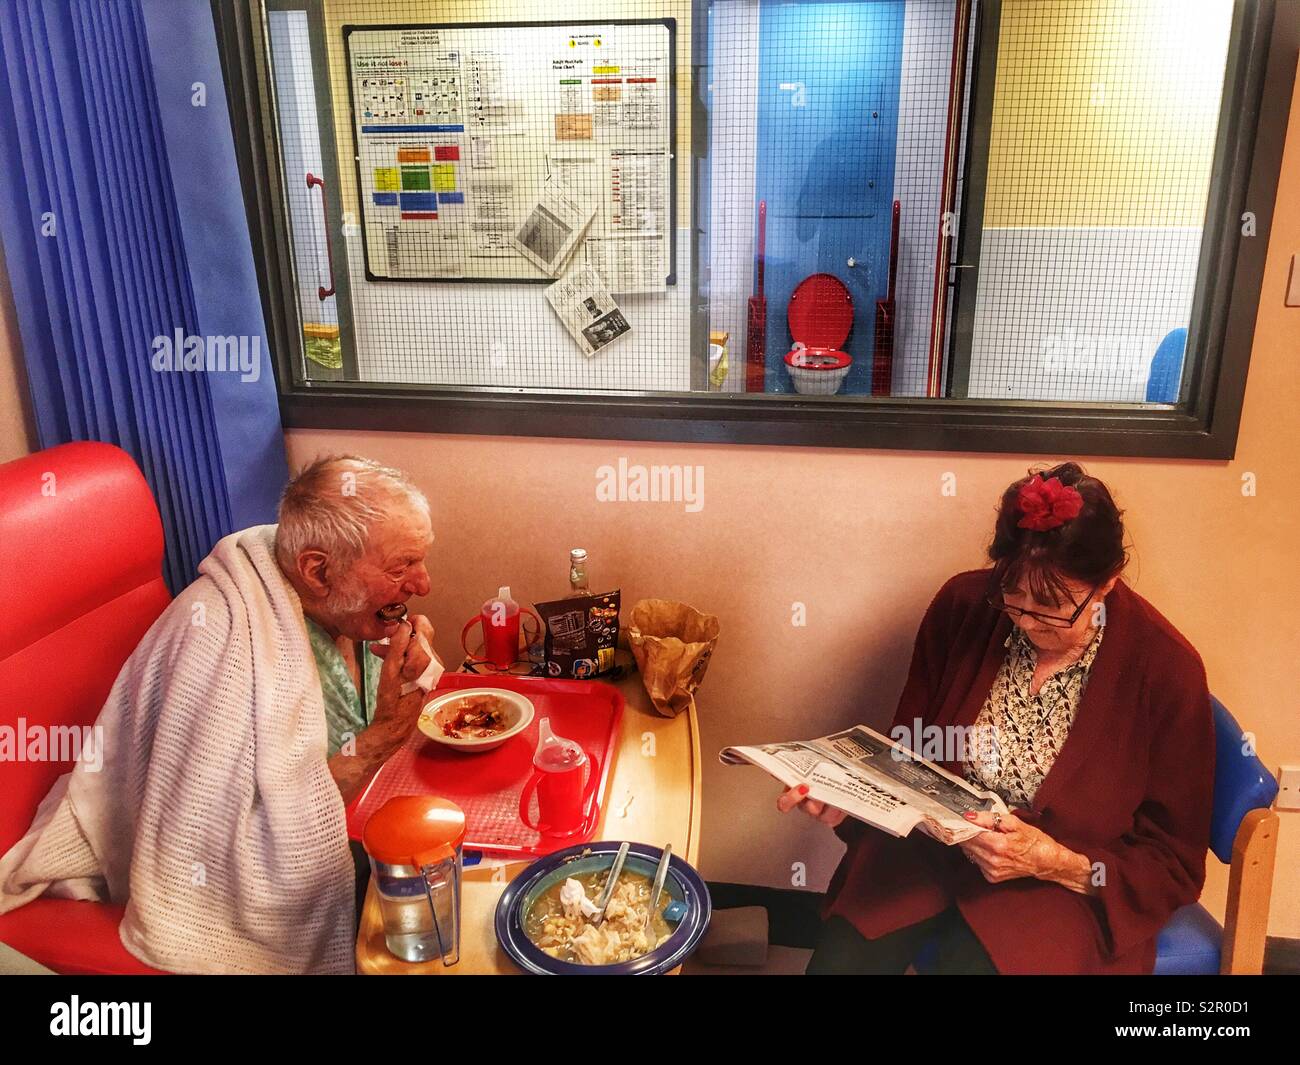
point(552, 226)
point(587, 310)
point(875, 780)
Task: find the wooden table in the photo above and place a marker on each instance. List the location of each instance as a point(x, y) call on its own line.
point(653, 796)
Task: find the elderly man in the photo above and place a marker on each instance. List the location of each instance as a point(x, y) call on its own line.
point(352, 538)
point(250, 713)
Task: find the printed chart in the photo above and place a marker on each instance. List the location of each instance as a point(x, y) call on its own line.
point(460, 128)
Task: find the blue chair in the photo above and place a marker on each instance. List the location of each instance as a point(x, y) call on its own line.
point(1243, 835)
point(1166, 374)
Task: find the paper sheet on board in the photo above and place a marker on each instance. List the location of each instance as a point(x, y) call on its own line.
point(587, 310)
point(552, 226)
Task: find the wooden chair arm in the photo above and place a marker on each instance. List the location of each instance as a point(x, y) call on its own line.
point(1250, 888)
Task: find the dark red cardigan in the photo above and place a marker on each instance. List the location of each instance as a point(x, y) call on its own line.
point(1132, 788)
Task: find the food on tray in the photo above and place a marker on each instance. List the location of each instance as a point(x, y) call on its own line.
point(559, 921)
point(474, 717)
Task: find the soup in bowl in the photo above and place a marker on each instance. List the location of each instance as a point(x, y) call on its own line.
point(542, 935)
point(564, 930)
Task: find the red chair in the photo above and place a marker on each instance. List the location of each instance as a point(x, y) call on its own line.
point(82, 573)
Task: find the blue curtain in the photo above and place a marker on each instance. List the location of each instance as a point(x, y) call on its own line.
point(129, 257)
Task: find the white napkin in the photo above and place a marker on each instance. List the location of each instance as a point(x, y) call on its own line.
point(427, 680)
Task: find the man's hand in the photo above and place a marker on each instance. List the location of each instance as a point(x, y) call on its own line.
point(395, 714)
point(1015, 848)
point(820, 811)
point(405, 659)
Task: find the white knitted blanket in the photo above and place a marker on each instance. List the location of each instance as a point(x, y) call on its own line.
point(214, 817)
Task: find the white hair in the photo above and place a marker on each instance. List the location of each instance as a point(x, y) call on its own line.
point(332, 504)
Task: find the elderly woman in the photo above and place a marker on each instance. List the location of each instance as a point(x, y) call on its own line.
point(252, 710)
point(1103, 748)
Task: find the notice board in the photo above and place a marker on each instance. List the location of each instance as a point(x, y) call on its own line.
point(459, 128)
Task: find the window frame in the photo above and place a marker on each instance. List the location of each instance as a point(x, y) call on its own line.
point(1261, 72)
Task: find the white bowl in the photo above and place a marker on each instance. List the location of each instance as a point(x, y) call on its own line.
point(817, 382)
point(518, 707)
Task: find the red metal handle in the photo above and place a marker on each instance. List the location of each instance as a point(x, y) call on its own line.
point(756, 331)
point(893, 251)
point(323, 293)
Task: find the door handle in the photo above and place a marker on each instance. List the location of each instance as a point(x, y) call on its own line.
point(323, 293)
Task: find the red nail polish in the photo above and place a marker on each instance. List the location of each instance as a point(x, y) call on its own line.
point(969, 815)
point(803, 789)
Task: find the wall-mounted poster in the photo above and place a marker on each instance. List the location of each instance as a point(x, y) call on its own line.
point(463, 130)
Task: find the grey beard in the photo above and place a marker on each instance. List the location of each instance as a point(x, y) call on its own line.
point(345, 602)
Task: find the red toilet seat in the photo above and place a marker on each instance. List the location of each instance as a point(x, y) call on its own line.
point(817, 359)
point(820, 316)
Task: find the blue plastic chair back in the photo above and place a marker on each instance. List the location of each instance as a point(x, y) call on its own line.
point(1167, 368)
point(1241, 782)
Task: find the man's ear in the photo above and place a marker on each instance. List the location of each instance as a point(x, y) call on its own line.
point(1104, 590)
point(313, 571)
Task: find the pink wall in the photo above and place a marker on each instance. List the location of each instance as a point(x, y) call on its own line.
point(863, 539)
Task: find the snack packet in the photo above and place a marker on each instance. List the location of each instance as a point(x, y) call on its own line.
point(581, 634)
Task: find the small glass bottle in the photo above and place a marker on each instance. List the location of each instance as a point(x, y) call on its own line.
point(578, 574)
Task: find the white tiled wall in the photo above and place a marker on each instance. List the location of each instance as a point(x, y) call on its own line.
point(1077, 313)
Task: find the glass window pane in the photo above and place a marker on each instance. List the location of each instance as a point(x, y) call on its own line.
point(1102, 142)
point(750, 196)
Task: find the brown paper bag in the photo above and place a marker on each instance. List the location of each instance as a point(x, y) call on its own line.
point(672, 644)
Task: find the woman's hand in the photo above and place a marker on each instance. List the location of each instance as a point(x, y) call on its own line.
point(792, 797)
point(1015, 848)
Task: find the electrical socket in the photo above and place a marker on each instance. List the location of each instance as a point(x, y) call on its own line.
point(1288, 797)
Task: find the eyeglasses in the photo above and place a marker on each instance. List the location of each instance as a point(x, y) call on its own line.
point(995, 600)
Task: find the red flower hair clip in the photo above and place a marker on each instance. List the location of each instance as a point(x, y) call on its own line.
point(1045, 504)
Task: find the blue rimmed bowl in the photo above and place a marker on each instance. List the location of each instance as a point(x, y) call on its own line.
point(683, 884)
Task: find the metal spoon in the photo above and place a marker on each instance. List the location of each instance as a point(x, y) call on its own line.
point(661, 874)
point(614, 871)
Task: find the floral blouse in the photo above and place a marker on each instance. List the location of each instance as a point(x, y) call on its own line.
point(1018, 735)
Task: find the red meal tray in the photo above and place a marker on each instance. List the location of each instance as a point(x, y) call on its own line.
point(487, 786)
